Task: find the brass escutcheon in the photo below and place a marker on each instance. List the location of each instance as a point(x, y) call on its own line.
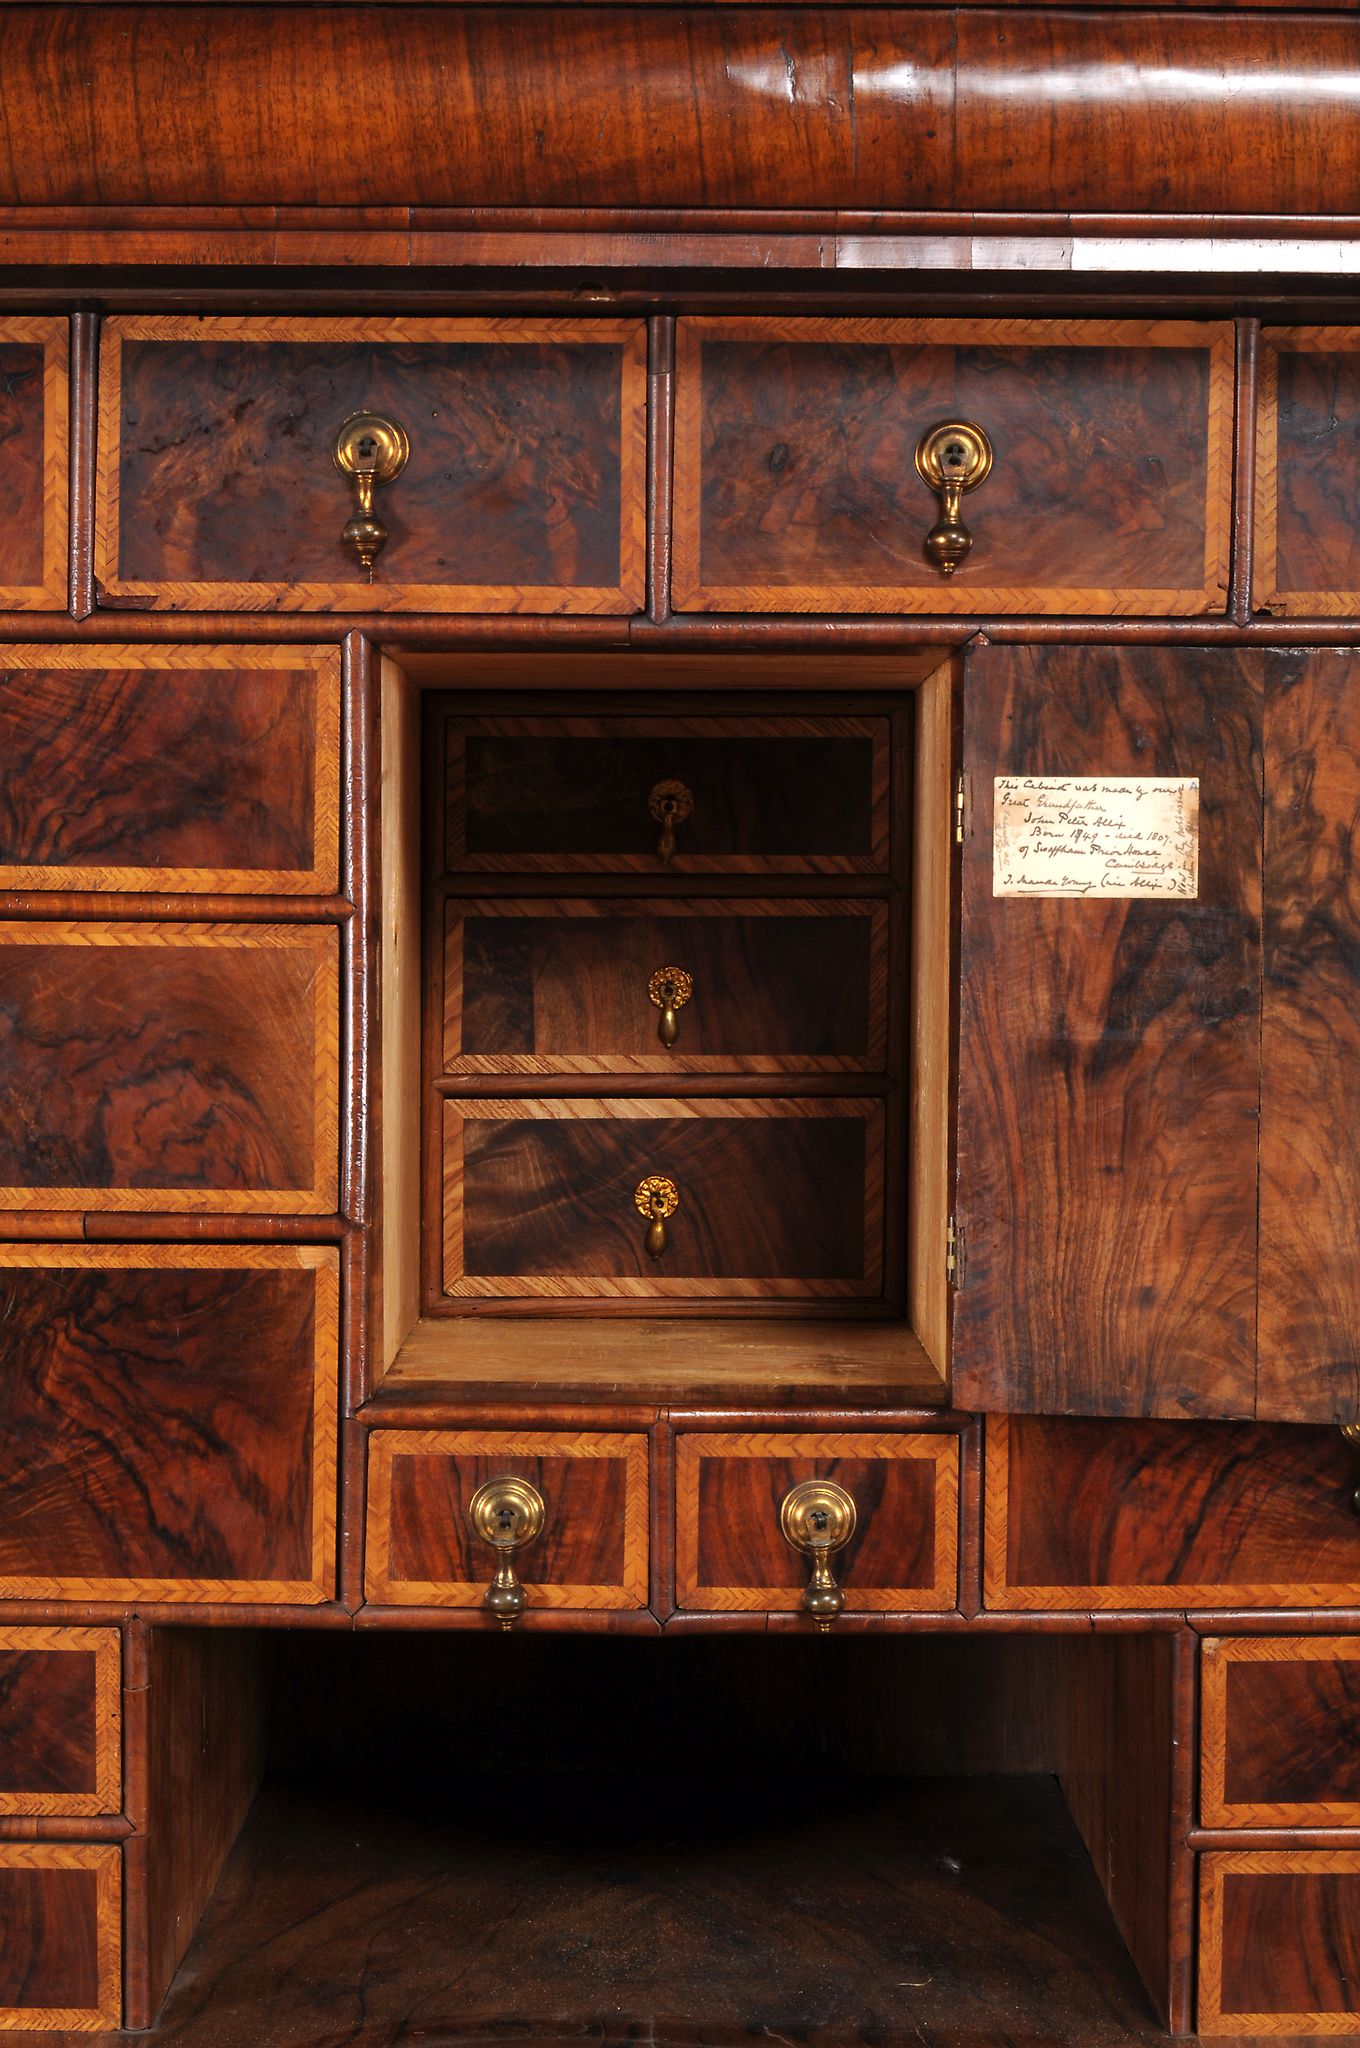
point(370, 451)
point(670, 988)
point(507, 1514)
point(818, 1517)
point(951, 458)
point(670, 803)
point(656, 1198)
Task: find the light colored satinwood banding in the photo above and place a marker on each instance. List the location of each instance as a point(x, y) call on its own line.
point(105, 1862)
point(104, 1646)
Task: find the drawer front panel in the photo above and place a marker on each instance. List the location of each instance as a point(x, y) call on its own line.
point(168, 1423)
point(1279, 1942)
point(525, 487)
point(769, 795)
point(1111, 1514)
point(562, 987)
point(1308, 471)
point(796, 487)
point(421, 1550)
point(35, 434)
point(170, 1067)
point(61, 1908)
point(1280, 1732)
point(60, 1721)
point(776, 1198)
point(730, 1554)
point(207, 769)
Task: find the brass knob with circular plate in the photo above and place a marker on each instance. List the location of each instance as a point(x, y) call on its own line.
point(670, 803)
point(818, 1517)
point(656, 1198)
point(951, 458)
point(507, 1514)
point(670, 988)
point(370, 451)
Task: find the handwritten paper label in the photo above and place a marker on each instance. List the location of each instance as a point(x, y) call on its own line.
point(1096, 835)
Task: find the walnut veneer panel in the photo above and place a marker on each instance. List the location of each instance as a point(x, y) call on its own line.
point(168, 1423)
point(1308, 471)
point(796, 488)
point(778, 1198)
point(1280, 1732)
point(1099, 1514)
point(35, 435)
point(170, 1067)
point(593, 1549)
point(560, 986)
point(730, 1554)
point(61, 1908)
point(1279, 1942)
point(213, 769)
point(525, 489)
point(60, 1721)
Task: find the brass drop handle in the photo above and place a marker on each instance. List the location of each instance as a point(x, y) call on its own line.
point(951, 458)
point(369, 450)
point(818, 1517)
point(670, 803)
point(670, 988)
point(656, 1198)
point(507, 1514)
point(1351, 1432)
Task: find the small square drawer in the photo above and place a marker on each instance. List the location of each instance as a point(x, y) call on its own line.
point(61, 1909)
point(1280, 1732)
point(1308, 472)
point(35, 433)
point(731, 1552)
point(1279, 1942)
point(60, 1721)
point(591, 1550)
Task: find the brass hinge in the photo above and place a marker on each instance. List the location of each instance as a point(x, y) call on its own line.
point(958, 811)
point(953, 1257)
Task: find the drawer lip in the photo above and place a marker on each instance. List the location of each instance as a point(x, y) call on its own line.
point(1292, 603)
point(1218, 1654)
point(106, 1861)
point(1220, 1863)
point(52, 333)
point(105, 1645)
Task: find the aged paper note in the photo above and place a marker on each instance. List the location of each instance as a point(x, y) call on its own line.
point(1096, 835)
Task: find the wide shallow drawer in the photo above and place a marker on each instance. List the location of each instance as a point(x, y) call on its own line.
point(168, 1422)
point(796, 486)
point(1308, 472)
point(544, 987)
point(61, 1912)
point(60, 1721)
point(1279, 1941)
point(422, 1550)
point(213, 769)
point(524, 489)
point(777, 795)
point(35, 434)
point(773, 1197)
point(170, 1067)
point(730, 1550)
point(1280, 1732)
point(1083, 1513)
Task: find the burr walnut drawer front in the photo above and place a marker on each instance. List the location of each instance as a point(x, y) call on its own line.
point(1084, 1513)
point(1279, 1942)
point(731, 1549)
point(650, 986)
point(483, 465)
point(60, 1721)
point(1308, 471)
point(809, 475)
point(423, 1549)
point(661, 1197)
point(213, 769)
point(667, 796)
point(61, 1909)
point(1280, 1732)
point(35, 434)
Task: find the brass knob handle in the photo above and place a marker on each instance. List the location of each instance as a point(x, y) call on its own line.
point(369, 450)
point(656, 1198)
point(507, 1514)
point(818, 1517)
point(670, 803)
point(670, 988)
point(951, 458)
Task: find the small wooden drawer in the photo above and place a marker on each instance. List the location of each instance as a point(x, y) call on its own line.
point(170, 1067)
point(777, 1198)
point(61, 1914)
point(731, 1555)
point(189, 769)
point(1084, 1513)
point(795, 464)
point(1279, 1941)
point(776, 795)
point(1280, 1732)
point(524, 490)
point(1308, 472)
point(421, 1549)
point(552, 986)
point(168, 1423)
point(60, 1721)
point(35, 434)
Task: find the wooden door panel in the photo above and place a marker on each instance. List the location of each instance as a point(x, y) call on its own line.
point(1308, 472)
point(1279, 1942)
point(60, 1721)
point(61, 1908)
point(1280, 1732)
point(35, 434)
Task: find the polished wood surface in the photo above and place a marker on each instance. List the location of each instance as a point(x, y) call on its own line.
point(34, 432)
point(60, 1961)
point(1280, 1732)
point(1308, 472)
point(167, 1423)
point(1280, 1942)
point(796, 488)
point(524, 491)
point(60, 1721)
point(170, 1067)
point(206, 769)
